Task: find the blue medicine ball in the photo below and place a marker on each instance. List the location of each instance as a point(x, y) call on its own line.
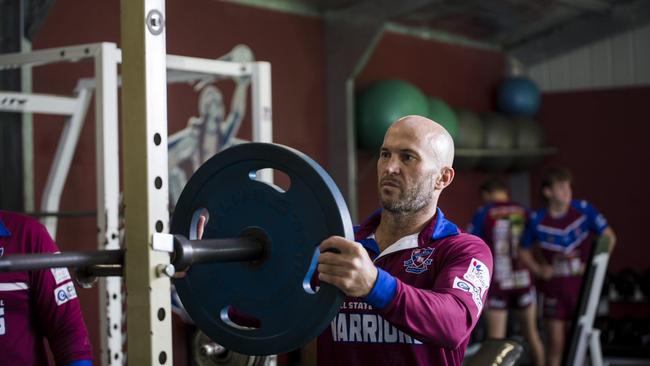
point(518, 97)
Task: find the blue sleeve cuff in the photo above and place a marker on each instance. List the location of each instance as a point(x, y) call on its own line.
point(383, 291)
point(80, 363)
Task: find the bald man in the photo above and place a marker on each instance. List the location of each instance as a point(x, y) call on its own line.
point(415, 284)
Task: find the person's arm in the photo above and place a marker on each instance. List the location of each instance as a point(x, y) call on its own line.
point(540, 269)
point(80, 363)
point(598, 224)
point(534, 261)
point(443, 315)
point(609, 235)
point(57, 307)
point(476, 227)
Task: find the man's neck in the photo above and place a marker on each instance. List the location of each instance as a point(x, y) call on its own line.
point(558, 209)
point(396, 226)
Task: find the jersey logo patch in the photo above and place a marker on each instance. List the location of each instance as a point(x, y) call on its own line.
point(64, 293)
point(461, 285)
point(60, 274)
point(478, 275)
point(473, 290)
point(3, 329)
point(420, 260)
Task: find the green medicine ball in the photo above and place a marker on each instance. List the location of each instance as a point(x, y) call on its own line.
point(440, 112)
point(383, 102)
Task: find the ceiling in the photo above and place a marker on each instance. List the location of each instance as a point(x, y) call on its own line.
point(531, 30)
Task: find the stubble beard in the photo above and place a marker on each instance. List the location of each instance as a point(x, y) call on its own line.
point(412, 200)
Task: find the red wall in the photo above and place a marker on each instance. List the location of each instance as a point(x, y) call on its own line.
point(602, 136)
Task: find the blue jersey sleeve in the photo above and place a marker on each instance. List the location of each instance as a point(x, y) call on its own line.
point(476, 227)
point(595, 220)
point(530, 232)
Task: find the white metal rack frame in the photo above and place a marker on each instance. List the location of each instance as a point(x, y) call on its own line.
point(106, 57)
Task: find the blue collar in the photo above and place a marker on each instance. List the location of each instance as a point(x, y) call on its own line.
point(3, 230)
point(443, 227)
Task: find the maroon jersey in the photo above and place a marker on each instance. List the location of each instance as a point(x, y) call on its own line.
point(427, 298)
point(501, 225)
point(566, 243)
point(37, 304)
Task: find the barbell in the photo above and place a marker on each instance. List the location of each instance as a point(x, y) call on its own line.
point(261, 298)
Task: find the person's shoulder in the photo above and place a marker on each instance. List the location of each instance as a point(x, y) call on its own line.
point(27, 230)
point(581, 205)
point(538, 214)
point(17, 220)
point(481, 210)
point(461, 248)
point(466, 242)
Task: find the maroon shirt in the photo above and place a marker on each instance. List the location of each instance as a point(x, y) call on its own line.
point(501, 225)
point(428, 296)
point(37, 304)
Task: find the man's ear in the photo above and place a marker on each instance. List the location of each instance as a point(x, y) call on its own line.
point(546, 192)
point(447, 175)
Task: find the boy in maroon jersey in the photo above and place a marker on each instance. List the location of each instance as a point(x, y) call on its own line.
point(38, 304)
point(562, 234)
point(500, 222)
point(415, 284)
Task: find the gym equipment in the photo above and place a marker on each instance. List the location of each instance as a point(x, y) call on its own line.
point(644, 284)
point(583, 335)
point(528, 135)
point(518, 97)
point(442, 113)
point(499, 136)
point(626, 283)
point(607, 285)
point(205, 352)
point(268, 238)
point(106, 56)
point(497, 352)
point(292, 223)
point(628, 331)
point(383, 102)
point(471, 134)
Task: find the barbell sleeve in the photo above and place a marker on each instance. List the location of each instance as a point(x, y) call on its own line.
point(188, 252)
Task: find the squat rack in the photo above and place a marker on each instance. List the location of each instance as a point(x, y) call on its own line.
point(144, 90)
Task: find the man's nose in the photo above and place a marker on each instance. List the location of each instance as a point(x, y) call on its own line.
point(392, 166)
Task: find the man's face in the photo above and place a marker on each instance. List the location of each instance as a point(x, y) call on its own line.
point(559, 192)
point(407, 171)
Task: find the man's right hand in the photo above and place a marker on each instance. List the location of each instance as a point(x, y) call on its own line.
point(351, 269)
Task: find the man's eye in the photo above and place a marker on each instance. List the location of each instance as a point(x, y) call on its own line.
point(407, 157)
point(384, 154)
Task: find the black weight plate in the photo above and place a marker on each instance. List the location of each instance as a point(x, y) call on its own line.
point(295, 222)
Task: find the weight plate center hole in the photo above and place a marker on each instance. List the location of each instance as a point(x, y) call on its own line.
point(277, 179)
